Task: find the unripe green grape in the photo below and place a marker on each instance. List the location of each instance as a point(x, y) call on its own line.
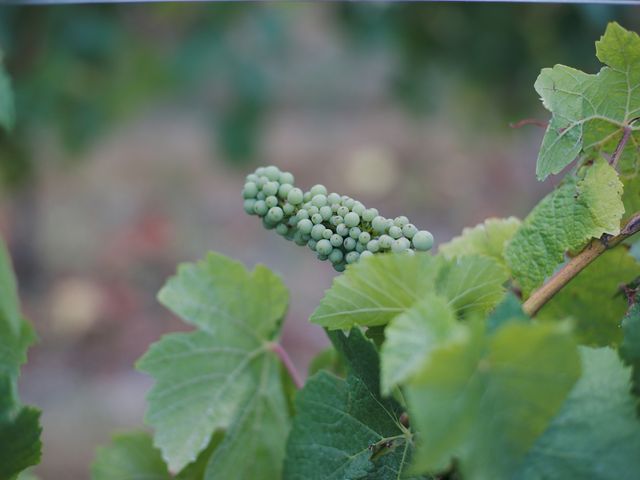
point(335, 207)
point(358, 208)
point(409, 230)
point(271, 188)
point(316, 231)
point(385, 242)
point(298, 239)
point(272, 172)
point(252, 177)
point(294, 197)
point(351, 219)
point(342, 230)
point(307, 196)
point(379, 224)
point(293, 221)
point(312, 244)
point(360, 248)
point(327, 233)
point(335, 220)
point(336, 256)
point(409, 252)
point(319, 200)
point(313, 210)
point(325, 212)
point(284, 190)
point(422, 241)
point(400, 221)
point(318, 190)
point(250, 190)
point(275, 214)
point(349, 244)
point(349, 203)
point(354, 232)
point(366, 254)
point(342, 211)
point(321, 257)
point(302, 214)
point(333, 198)
point(400, 245)
point(336, 240)
point(373, 246)
point(260, 171)
point(364, 238)
point(339, 267)
point(305, 236)
point(324, 247)
point(286, 178)
point(288, 209)
point(268, 224)
point(305, 225)
point(395, 232)
point(282, 229)
point(316, 218)
point(369, 214)
point(249, 204)
point(262, 181)
point(260, 196)
point(260, 208)
point(271, 201)
point(352, 257)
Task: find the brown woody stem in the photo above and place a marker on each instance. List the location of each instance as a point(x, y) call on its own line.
point(573, 267)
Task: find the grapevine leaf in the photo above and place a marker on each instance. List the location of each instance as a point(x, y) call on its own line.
point(590, 112)
point(130, 456)
point(488, 238)
point(329, 360)
point(196, 469)
point(339, 419)
point(565, 220)
point(490, 397)
point(209, 379)
point(596, 433)
point(7, 109)
point(20, 441)
point(630, 347)
point(413, 335)
point(593, 298)
point(510, 309)
point(371, 293)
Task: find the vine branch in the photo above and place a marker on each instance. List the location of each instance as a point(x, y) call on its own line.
point(288, 364)
point(573, 267)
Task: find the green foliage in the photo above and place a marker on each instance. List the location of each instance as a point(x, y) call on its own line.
point(7, 108)
point(484, 401)
point(20, 441)
point(630, 346)
point(223, 375)
point(130, 456)
point(583, 207)
point(596, 434)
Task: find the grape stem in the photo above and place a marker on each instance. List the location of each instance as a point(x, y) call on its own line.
point(288, 364)
point(573, 267)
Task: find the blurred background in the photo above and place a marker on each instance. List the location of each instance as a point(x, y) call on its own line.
point(136, 125)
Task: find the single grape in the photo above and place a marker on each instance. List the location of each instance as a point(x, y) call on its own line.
point(302, 214)
point(339, 267)
point(422, 241)
point(342, 230)
point(409, 252)
point(379, 224)
point(336, 256)
point(271, 188)
point(316, 218)
point(321, 257)
point(252, 177)
point(400, 221)
point(369, 214)
point(364, 238)
point(326, 212)
point(272, 172)
point(260, 171)
point(352, 257)
point(336, 240)
point(305, 225)
point(360, 248)
point(395, 232)
point(284, 190)
point(298, 239)
point(250, 190)
point(312, 244)
point(260, 196)
point(324, 247)
point(271, 201)
point(288, 209)
point(319, 200)
point(335, 220)
point(349, 244)
point(275, 214)
point(358, 208)
point(333, 199)
point(294, 197)
point(366, 254)
point(316, 231)
point(249, 206)
point(373, 246)
point(268, 224)
point(318, 190)
point(409, 230)
point(282, 229)
point(286, 178)
point(351, 219)
point(349, 203)
point(354, 232)
point(262, 181)
point(342, 211)
point(385, 242)
point(400, 245)
point(260, 208)
point(307, 196)
point(313, 210)
point(327, 233)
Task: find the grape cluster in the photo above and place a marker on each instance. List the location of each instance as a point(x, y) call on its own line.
point(336, 227)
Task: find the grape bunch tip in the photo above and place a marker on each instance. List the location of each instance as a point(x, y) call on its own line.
point(336, 227)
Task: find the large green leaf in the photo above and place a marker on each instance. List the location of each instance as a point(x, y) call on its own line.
point(485, 401)
point(488, 238)
point(338, 420)
point(596, 434)
point(590, 112)
point(216, 378)
point(565, 220)
point(130, 456)
point(19, 442)
point(371, 293)
point(593, 298)
point(413, 335)
point(630, 347)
